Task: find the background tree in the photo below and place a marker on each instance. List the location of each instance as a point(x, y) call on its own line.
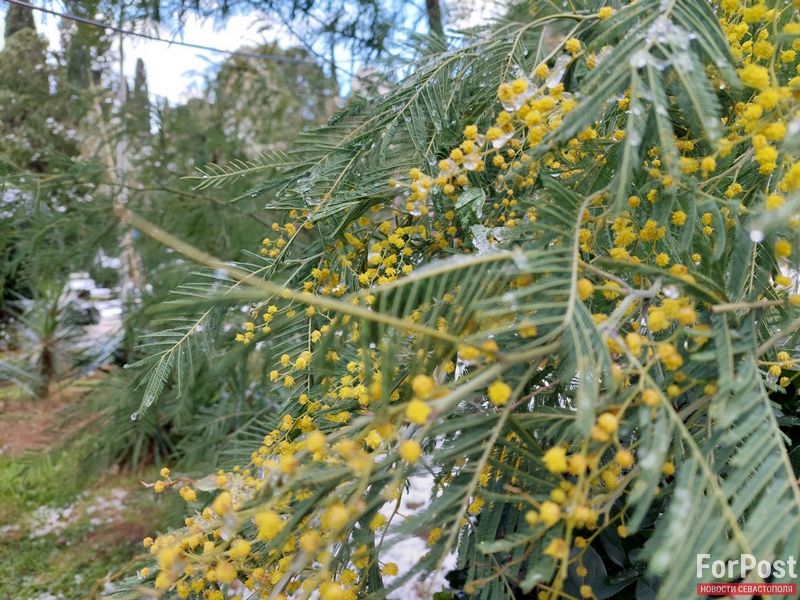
point(139, 102)
point(44, 182)
point(18, 18)
point(247, 116)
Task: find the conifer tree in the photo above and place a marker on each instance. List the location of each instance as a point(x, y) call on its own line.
point(18, 18)
point(138, 108)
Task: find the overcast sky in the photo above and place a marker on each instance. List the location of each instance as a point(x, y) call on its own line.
point(176, 71)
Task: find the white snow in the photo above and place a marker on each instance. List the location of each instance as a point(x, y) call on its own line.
point(406, 553)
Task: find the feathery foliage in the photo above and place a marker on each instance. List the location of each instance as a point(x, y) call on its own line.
point(553, 272)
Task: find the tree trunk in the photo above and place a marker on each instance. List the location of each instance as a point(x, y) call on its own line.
point(434, 10)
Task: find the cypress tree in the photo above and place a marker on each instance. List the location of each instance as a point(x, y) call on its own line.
point(17, 19)
point(139, 101)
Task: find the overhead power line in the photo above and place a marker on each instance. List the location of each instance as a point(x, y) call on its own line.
point(146, 36)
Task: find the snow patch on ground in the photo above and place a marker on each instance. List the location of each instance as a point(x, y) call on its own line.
point(47, 519)
point(407, 552)
point(102, 510)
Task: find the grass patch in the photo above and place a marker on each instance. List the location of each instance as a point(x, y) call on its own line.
point(67, 540)
point(30, 481)
point(65, 526)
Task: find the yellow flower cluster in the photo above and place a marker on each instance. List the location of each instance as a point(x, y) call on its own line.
point(288, 541)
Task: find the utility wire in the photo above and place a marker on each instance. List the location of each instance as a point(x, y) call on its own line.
point(98, 24)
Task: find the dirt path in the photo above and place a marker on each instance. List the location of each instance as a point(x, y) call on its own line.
point(28, 424)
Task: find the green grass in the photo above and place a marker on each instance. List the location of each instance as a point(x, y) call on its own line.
point(28, 482)
point(71, 565)
point(11, 392)
point(110, 514)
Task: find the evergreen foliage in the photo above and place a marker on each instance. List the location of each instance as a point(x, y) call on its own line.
point(17, 19)
point(550, 269)
point(554, 268)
